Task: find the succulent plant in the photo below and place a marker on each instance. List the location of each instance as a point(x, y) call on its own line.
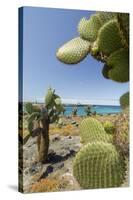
point(99, 165)
point(109, 127)
point(124, 100)
point(88, 29)
point(123, 21)
point(105, 35)
point(118, 63)
point(91, 130)
point(109, 39)
point(39, 120)
point(73, 51)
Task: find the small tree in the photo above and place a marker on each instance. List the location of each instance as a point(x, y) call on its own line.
point(40, 119)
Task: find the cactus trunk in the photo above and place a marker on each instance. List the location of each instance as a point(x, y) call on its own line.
point(43, 141)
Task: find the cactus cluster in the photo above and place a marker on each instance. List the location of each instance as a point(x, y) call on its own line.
point(101, 35)
point(105, 35)
point(98, 164)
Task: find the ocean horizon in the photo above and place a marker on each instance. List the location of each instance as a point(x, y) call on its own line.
point(99, 109)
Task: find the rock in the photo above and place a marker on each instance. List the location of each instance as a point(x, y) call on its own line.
point(60, 156)
point(55, 138)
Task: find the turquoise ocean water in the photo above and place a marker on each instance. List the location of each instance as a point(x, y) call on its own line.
point(98, 108)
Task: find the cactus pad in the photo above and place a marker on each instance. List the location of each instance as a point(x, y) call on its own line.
point(49, 97)
point(91, 130)
point(73, 51)
point(124, 100)
point(109, 39)
point(106, 16)
point(99, 165)
point(88, 29)
point(119, 63)
point(123, 21)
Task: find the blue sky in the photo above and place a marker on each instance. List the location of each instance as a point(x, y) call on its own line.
point(45, 30)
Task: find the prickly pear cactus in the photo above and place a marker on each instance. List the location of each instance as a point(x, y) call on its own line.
point(88, 29)
point(118, 63)
point(109, 39)
point(73, 51)
point(49, 97)
point(107, 34)
point(109, 127)
point(99, 165)
point(124, 100)
point(91, 130)
point(123, 21)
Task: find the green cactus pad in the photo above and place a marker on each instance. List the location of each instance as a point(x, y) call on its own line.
point(124, 100)
point(73, 51)
point(91, 130)
point(88, 29)
point(109, 127)
point(109, 39)
point(119, 64)
point(49, 97)
point(99, 165)
point(29, 108)
point(123, 21)
point(106, 16)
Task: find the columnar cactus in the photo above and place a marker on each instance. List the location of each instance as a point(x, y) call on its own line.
point(39, 120)
point(99, 165)
point(91, 130)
